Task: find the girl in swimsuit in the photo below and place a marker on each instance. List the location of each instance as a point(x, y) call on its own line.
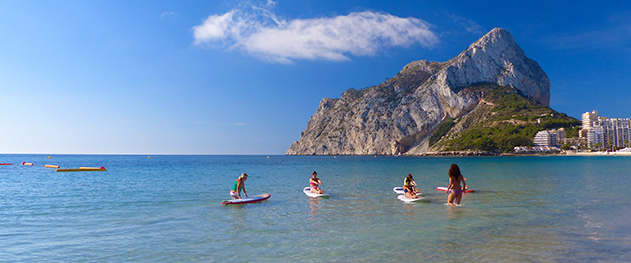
point(314, 182)
point(408, 187)
point(454, 190)
point(412, 182)
point(239, 185)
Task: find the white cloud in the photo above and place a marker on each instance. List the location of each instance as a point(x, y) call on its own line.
point(260, 32)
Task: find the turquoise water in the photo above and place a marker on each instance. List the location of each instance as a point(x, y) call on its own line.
point(166, 209)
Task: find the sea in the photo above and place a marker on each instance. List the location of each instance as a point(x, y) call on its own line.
point(166, 208)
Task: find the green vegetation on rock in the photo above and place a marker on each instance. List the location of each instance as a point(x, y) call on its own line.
point(504, 119)
point(442, 130)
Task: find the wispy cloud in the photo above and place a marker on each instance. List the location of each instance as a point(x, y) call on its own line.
point(167, 14)
point(260, 32)
point(468, 24)
point(613, 33)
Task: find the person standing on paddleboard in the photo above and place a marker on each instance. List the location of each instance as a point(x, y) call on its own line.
point(239, 185)
point(454, 190)
point(314, 182)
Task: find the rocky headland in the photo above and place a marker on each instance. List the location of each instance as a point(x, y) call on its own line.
point(426, 103)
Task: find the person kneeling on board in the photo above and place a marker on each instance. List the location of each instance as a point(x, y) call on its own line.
point(412, 182)
point(239, 185)
point(408, 187)
point(314, 182)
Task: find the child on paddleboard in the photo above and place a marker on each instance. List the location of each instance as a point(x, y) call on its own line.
point(409, 187)
point(454, 190)
point(239, 185)
point(314, 182)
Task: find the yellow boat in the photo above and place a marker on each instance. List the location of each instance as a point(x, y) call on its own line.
point(83, 169)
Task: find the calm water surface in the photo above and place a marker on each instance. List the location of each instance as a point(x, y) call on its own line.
point(166, 209)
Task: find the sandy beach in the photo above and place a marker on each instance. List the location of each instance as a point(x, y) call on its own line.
point(572, 153)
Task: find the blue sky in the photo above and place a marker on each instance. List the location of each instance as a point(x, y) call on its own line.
point(243, 77)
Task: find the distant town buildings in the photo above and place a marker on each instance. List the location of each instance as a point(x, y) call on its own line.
point(605, 133)
point(597, 133)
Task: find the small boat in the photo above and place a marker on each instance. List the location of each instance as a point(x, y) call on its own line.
point(83, 169)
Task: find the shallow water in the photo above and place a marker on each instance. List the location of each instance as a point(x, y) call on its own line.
point(166, 208)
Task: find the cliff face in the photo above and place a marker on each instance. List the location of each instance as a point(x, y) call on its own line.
point(397, 116)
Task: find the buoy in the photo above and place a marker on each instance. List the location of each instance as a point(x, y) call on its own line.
point(51, 166)
point(148, 157)
point(48, 157)
point(267, 157)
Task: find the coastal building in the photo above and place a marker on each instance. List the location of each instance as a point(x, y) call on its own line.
point(545, 138)
point(549, 138)
point(605, 133)
point(589, 118)
point(596, 137)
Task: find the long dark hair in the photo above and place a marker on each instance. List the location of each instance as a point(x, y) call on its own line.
point(454, 171)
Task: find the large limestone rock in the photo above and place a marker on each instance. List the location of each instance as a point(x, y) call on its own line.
point(397, 116)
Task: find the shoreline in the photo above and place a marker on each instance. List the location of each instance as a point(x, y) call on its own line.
point(597, 153)
point(564, 153)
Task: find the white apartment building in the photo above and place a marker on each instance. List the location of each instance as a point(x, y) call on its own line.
point(589, 118)
point(603, 132)
point(549, 138)
point(544, 138)
point(596, 137)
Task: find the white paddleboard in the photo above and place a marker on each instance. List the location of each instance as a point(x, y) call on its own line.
point(248, 200)
point(399, 190)
point(409, 200)
point(307, 191)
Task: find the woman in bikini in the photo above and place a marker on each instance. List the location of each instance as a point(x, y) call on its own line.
point(454, 190)
point(239, 185)
point(314, 182)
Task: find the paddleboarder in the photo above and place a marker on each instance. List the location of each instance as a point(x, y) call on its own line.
point(314, 182)
point(454, 190)
point(239, 185)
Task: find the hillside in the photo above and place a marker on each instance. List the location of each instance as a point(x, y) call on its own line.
point(504, 118)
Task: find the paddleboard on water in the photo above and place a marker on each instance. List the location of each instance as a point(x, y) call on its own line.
point(444, 189)
point(307, 191)
point(409, 200)
point(399, 190)
point(253, 199)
